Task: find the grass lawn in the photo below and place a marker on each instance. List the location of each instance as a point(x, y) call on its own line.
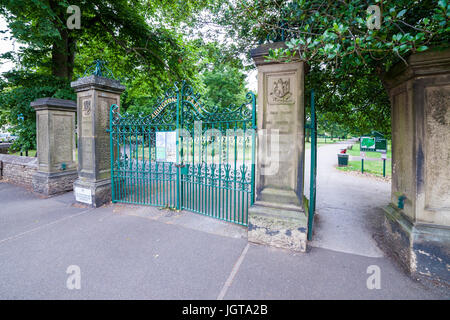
point(321, 141)
point(240, 153)
point(32, 153)
point(356, 151)
point(373, 167)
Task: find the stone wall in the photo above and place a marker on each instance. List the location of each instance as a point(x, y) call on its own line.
point(18, 170)
point(4, 147)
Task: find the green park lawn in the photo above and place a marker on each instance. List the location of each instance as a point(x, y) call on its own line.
point(355, 151)
point(322, 141)
point(373, 167)
point(209, 152)
point(32, 153)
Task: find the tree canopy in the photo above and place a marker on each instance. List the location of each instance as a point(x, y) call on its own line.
point(348, 56)
point(151, 44)
point(147, 44)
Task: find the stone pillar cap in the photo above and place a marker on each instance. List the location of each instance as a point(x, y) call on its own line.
point(97, 82)
point(259, 53)
point(53, 103)
point(431, 62)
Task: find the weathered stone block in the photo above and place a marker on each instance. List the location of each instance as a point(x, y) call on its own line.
point(420, 102)
point(54, 183)
point(423, 250)
point(283, 228)
point(4, 147)
point(94, 194)
point(55, 126)
point(55, 133)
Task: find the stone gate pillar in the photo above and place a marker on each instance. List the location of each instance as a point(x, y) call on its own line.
point(417, 221)
point(95, 95)
point(55, 135)
point(277, 218)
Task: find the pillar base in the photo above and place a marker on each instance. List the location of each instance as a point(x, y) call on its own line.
point(53, 183)
point(422, 249)
point(277, 226)
point(92, 193)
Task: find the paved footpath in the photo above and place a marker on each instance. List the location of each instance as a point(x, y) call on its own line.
point(348, 206)
point(133, 252)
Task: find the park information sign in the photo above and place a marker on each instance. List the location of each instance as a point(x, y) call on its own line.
point(375, 144)
point(367, 144)
point(166, 146)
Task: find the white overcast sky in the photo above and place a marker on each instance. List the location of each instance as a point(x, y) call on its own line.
point(6, 45)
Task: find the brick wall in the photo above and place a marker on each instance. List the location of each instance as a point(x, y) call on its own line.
point(18, 170)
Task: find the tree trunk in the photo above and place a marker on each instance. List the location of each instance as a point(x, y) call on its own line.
point(63, 49)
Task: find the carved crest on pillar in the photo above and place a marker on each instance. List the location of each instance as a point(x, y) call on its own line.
point(86, 107)
point(281, 91)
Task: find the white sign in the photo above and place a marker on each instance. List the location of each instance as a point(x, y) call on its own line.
point(171, 146)
point(384, 156)
point(363, 154)
point(166, 146)
point(83, 195)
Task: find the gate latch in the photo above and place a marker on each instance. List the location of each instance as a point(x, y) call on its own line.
point(181, 165)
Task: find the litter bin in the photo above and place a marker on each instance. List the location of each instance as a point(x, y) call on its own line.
point(342, 159)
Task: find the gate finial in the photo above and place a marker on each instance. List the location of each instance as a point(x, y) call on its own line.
point(99, 69)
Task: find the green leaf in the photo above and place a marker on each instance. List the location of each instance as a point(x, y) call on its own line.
point(421, 48)
point(442, 4)
point(401, 13)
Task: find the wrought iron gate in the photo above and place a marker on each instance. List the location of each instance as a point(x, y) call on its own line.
point(313, 171)
point(213, 172)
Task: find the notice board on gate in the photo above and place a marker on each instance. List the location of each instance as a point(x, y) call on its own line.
point(166, 146)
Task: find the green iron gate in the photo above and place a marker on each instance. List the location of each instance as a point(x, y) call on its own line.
point(312, 127)
point(213, 169)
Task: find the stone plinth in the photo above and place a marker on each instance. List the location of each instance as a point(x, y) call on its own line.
point(277, 218)
point(417, 223)
point(55, 134)
point(95, 95)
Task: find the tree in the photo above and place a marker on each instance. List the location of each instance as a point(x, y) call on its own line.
point(224, 82)
point(142, 40)
point(221, 80)
point(133, 28)
point(334, 38)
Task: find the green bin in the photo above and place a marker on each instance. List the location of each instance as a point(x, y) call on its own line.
point(342, 159)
